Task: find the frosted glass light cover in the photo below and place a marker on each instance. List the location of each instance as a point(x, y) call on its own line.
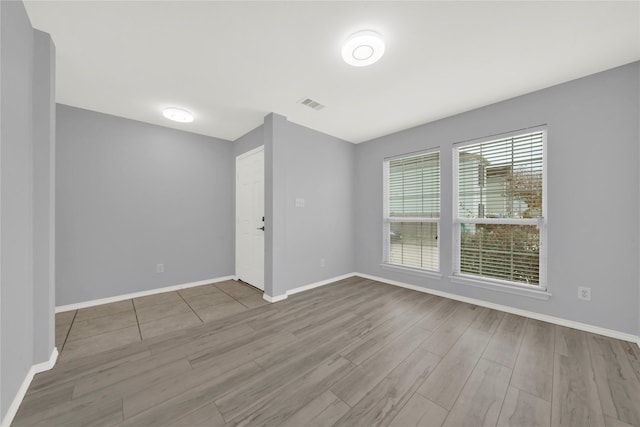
point(363, 48)
point(178, 115)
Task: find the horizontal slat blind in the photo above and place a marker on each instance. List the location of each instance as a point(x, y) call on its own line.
point(507, 252)
point(414, 186)
point(501, 180)
point(413, 203)
point(414, 244)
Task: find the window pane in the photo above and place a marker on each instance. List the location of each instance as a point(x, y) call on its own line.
point(508, 252)
point(501, 178)
point(414, 186)
point(414, 244)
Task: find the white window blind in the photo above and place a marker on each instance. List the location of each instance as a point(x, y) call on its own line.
point(500, 207)
point(412, 211)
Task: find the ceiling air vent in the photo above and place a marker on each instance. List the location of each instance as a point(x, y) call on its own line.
point(311, 103)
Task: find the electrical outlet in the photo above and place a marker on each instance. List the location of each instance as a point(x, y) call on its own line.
point(160, 268)
point(322, 262)
point(584, 293)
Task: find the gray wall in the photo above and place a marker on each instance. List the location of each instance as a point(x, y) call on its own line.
point(132, 195)
point(274, 225)
point(303, 163)
point(16, 193)
point(592, 196)
point(248, 142)
point(44, 113)
point(26, 77)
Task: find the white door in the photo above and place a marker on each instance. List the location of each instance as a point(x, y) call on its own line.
point(250, 217)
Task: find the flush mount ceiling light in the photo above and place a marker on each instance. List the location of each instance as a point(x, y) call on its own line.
point(178, 115)
point(363, 48)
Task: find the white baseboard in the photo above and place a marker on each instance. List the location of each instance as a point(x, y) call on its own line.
point(306, 287)
point(22, 391)
point(117, 298)
point(525, 313)
point(49, 364)
point(273, 299)
point(320, 283)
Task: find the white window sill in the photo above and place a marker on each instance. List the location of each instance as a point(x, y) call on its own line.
point(499, 287)
point(411, 270)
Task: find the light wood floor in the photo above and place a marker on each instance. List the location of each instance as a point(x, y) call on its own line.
point(353, 353)
point(93, 330)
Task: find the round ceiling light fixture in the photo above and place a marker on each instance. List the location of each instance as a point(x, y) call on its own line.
point(178, 115)
point(363, 48)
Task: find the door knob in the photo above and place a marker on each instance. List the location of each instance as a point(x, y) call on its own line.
point(260, 228)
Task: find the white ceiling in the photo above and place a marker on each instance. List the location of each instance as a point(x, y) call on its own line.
point(231, 63)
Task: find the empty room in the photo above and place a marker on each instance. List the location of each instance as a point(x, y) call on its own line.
point(319, 213)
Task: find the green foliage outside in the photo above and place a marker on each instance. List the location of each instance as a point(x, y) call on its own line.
point(507, 252)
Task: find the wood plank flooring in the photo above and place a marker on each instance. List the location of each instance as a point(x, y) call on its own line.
point(352, 353)
point(95, 329)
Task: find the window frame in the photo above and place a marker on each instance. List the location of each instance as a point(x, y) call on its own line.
point(387, 219)
point(541, 222)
